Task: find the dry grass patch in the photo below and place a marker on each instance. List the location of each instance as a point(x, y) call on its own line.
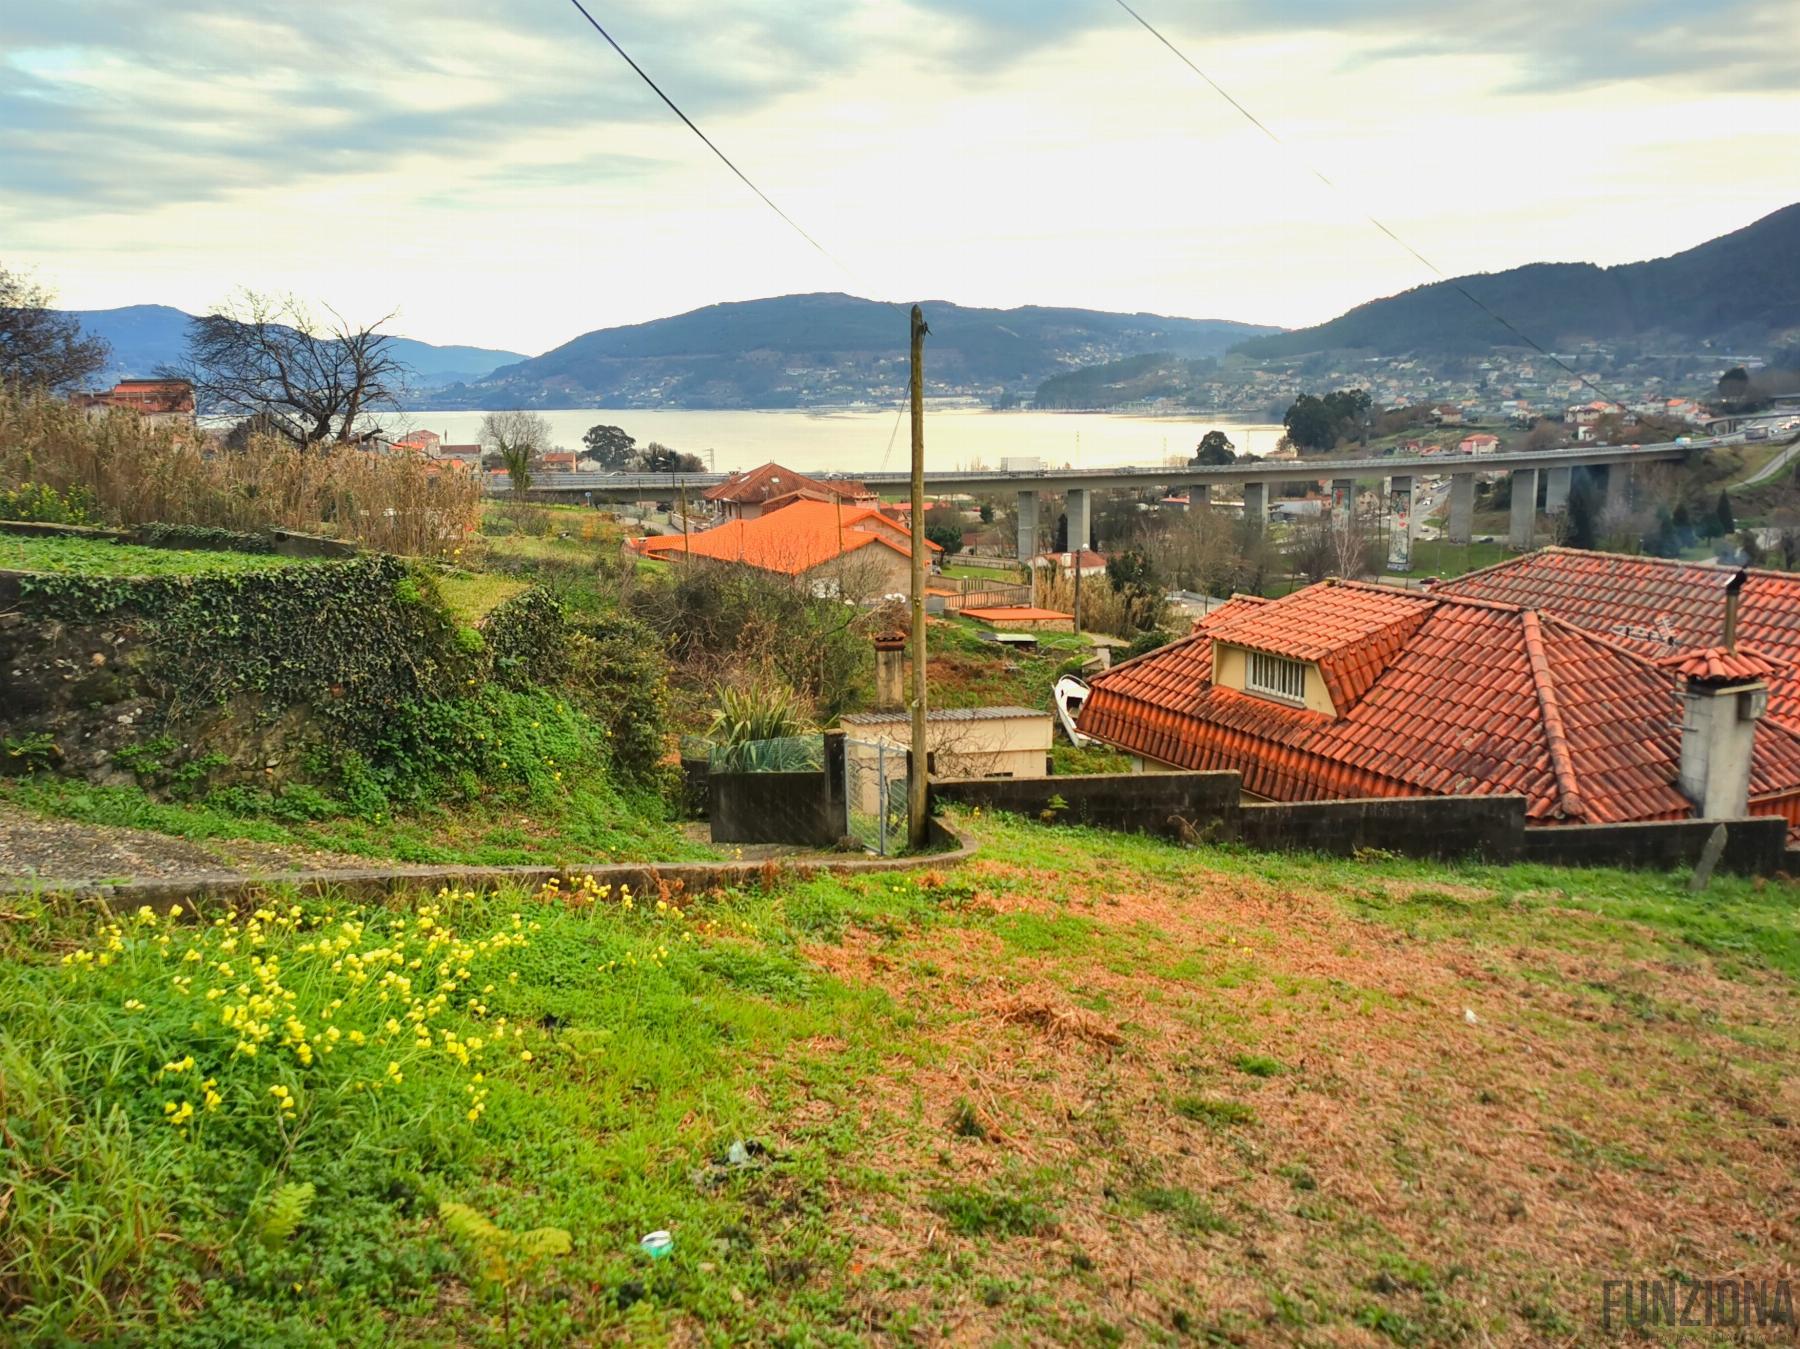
point(1386, 1169)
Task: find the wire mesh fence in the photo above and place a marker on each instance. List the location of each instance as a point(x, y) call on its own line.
point(875, 795)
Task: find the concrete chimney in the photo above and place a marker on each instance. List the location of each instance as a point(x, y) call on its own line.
point(1718, 737)
point(890, 671)
point(1723, 696)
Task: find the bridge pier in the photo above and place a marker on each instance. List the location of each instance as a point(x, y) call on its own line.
point(1199, 496)
point(1557, 484)
point(1028, 526)
point(1343, 497)
point(1618, 488)
point(1462, 508)
point(1077, 504)
point(1523, 523)
point(1256, 505)
point(1400, 510)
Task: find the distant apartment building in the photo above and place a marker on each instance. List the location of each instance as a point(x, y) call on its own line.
point(421, 442)
point(161, 402)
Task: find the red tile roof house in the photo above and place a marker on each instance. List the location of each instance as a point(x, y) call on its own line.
point(848, 550)
point(161, 402)
point(1561, 676)
point(745, 496)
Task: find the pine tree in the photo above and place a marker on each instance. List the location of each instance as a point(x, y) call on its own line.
point(1727, 521)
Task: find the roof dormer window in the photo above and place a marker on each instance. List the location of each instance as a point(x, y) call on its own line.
point(1275, 677)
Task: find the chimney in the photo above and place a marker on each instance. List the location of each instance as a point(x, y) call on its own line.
point(1723, 695)
point(890, 671)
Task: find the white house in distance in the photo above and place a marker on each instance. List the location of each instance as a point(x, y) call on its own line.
point(1091, 563)
point(1479, 442)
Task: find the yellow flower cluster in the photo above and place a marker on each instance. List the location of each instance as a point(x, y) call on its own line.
point(285, 992)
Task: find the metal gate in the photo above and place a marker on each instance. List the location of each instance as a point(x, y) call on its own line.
point(875, 795)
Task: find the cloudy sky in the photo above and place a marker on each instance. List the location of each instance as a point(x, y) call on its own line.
point(490, 170)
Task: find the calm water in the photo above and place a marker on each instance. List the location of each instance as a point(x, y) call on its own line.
point(863, 442)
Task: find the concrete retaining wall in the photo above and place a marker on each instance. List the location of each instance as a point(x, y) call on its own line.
point(772, 808)
point(1149, 803)
point(1209, 807)
point(1753, 847)
point(1487, 827)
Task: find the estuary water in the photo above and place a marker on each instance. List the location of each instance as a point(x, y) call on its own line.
point(868, 441)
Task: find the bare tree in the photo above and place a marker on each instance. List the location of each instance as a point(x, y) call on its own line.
point(311, 381)
point(518, 438)
point(41, 348)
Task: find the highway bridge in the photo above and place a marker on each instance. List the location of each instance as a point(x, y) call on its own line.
point(1077, 485)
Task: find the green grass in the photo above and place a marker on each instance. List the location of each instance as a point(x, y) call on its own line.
point(1438, 557)
point(67, 556)
point(934, 1166)
point(472, 596)
point(584, 824)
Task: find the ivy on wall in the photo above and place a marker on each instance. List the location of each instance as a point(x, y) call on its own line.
point(354, 639)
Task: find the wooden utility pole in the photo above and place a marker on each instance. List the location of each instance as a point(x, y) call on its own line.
point(916, 780)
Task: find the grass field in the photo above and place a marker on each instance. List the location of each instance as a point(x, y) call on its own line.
point(1088, 1090)
point(69, 556)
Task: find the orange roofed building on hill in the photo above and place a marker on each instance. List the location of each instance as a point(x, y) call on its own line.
point(755, 492)
point(839, 549)
point(161, 402)
point(1599, 688)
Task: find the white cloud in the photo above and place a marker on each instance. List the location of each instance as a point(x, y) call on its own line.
point(507, 181)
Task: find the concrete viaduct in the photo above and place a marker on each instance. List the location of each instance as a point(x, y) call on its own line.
point(1077, 486)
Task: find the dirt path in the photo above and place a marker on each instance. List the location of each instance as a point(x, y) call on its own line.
point(64, 851)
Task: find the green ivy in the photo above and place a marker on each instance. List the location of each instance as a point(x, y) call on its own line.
point(206, 538)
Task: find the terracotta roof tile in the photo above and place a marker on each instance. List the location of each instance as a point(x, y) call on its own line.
point(1470, 698)
point(1717, 664)
point(1350, 631)
point(772, 480)
point(792, 540)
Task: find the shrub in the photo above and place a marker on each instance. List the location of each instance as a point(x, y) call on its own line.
point(618, 673)
point(735, 618)
point(37, 502)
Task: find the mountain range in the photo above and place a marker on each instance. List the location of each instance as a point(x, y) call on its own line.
point(803, 350)
point(146, 337)
point(1741, 290)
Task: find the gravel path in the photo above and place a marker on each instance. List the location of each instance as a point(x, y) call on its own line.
point(37, 848)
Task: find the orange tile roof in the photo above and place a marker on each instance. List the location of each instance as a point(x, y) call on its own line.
point(772, 480)
point(792, 540)
point(1719, 664)
point(1477, 698)
point(1350, 631)
point(1655, 605)
point(1016, 613)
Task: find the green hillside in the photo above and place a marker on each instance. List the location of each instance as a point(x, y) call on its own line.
point(793, 350)
point(1740, 288)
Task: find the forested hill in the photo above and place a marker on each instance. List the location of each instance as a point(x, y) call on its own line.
point(801, 350)
point(1742, 289)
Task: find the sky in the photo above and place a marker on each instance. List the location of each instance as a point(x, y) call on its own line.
point(490, 172)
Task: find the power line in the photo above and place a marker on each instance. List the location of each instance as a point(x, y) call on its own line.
point(1437, 271)
point(723, 158)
